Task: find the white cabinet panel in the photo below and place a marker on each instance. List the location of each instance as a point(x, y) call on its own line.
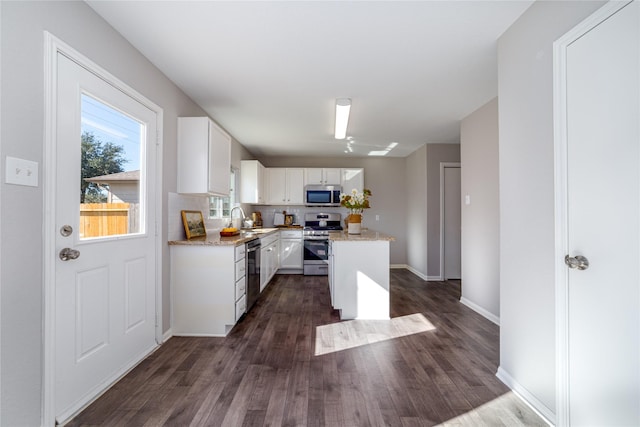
point(291, 249)
point(359, 279)
point(295, 186)
point(286, 186)
point(269, 259)
point(241, 251)
point(241, 307)
point(322, 176)
point(203, 290)
point(240, 269)
point(204, 157)
point(352, 178)
point(241, 288)
point(277, 186)
point(253, 182)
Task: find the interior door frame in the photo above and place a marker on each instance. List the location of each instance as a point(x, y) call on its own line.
point(443, 166)
point(53, 47)
point(561, 198)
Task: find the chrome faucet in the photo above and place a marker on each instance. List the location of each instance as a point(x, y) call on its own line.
point(241, 219)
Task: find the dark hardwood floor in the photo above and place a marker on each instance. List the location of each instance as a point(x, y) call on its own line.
point(291, 362)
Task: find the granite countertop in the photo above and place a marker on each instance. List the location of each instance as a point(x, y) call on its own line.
point(214, 238)
point(366, 235)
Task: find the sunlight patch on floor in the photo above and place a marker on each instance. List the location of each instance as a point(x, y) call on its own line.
point(508, 410)
point(355, 333)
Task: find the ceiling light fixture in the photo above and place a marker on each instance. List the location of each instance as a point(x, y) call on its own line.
point(343, 105)
point(384, 152)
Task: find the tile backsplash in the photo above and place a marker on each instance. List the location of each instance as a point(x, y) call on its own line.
point(268, 212)
point(178, 202)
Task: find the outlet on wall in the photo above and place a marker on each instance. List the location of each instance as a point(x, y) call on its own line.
point(21, 172)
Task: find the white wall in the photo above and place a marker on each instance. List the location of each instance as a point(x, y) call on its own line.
point(22, 133)
point(422, 175)
point(416, 211)
point(525, 93)
point(481, 218)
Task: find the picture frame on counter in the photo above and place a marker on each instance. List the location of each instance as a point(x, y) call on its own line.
point(193, 222)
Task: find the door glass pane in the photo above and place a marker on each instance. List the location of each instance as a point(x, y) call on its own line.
point(111, 175)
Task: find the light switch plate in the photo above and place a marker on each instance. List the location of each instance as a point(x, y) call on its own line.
point(467, 199)
point(21, 172)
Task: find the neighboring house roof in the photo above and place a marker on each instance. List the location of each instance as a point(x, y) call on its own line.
point(129, 176)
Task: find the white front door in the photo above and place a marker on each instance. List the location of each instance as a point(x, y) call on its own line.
point(105, 309)
point(602, 363)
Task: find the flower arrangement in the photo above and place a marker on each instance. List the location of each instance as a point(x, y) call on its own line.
point(355, 201)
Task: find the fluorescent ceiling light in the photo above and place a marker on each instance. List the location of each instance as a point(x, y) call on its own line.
point(343, 105)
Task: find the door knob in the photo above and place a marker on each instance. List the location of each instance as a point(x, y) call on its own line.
point(579, 262)
point(67, 254)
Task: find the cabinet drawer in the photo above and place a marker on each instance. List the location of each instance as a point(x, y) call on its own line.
point(241, 307)
point(241, 288)
point(291, 234)
point(240, 269)
point(267, 240)
point(240, 252)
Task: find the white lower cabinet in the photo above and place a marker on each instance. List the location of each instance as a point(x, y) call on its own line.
point(241, 307)
point(291, 250)
point(208, 289)
point(241, 281)
point(269, 258)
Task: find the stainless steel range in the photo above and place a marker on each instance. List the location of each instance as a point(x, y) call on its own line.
point(316, 241)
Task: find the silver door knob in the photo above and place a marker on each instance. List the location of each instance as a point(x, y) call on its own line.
point(579, 262)
point(67, 254)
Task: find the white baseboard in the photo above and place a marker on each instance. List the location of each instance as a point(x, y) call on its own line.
point(168, 334)
point(416, 272)
point(536, 405)
point(481, 311)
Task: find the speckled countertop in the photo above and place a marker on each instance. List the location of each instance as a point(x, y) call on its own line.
point(214, 239)
point(366, 235)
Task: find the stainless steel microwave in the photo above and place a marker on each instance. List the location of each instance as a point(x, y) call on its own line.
point(322, 195)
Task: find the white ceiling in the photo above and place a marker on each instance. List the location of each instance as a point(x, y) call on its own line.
point(269, 72)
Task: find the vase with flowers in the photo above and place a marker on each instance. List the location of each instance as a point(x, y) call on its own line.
point(356, 202)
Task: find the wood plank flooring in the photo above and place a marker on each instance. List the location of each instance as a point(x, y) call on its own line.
point(291, 362)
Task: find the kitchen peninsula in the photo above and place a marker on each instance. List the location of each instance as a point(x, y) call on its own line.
point(359, 274)
point(212, 280)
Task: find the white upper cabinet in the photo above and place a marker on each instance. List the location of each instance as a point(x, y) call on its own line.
point(295, 186)
point(204, 157)
point(277, 186)
point(322, 176)
point(352, 178)
point(253, 182)
point(286, 186)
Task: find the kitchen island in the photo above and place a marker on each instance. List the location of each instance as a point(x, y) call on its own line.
point(359, 274)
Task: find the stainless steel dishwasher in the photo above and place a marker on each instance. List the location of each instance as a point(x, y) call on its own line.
point(253, 272)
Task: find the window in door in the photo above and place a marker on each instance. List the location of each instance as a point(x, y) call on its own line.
point(111, 200)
